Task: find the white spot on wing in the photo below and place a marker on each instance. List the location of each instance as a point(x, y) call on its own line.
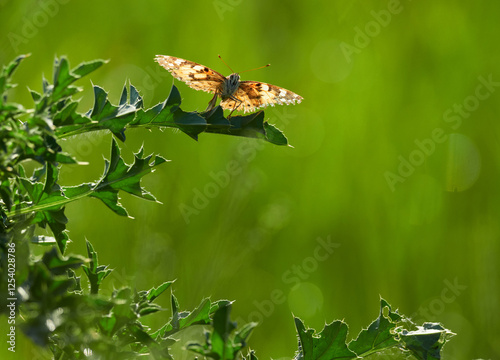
point(200, 76)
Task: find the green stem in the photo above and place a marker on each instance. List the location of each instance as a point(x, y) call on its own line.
point(85, 128)
point(62, 202)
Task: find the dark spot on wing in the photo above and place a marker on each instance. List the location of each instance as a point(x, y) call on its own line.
point(254, 94)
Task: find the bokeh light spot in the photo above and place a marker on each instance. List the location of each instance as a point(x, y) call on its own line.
point(305, 299)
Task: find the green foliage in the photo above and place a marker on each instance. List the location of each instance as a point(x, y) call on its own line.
point(80, 323)
point(225, 341)
point(387, 331)
point(95, 273)
point(55, 116)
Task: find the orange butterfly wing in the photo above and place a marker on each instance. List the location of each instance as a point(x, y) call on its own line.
point(254, 95)
point(196, 76)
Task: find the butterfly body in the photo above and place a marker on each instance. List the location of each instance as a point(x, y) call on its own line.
point(230, 86)
point(250, 95)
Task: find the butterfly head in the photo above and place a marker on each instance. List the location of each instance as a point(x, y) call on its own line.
point(230, 85)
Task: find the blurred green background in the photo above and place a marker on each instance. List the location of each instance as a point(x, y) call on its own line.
point(394, 163)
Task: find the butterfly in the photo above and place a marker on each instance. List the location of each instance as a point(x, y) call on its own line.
point(250, 95)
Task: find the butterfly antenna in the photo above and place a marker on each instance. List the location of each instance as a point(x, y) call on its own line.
point(220, 57)
point(260, 67)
